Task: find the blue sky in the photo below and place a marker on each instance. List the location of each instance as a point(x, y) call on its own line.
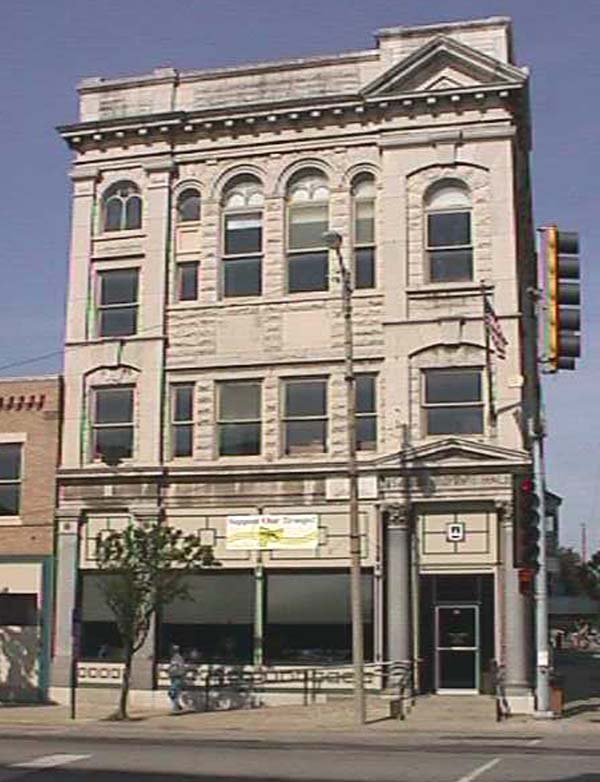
point(46, 46)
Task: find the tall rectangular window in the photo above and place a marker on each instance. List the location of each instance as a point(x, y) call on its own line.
point(242, 259)
point(363, 194)
point(186, 281)
point(366, 413)
point(305, 416)
point(182, 420)
point(112, 423)
point(453, 401)
point(449, 246)
point(239, 418)
point(118, 303)
point(10, 479)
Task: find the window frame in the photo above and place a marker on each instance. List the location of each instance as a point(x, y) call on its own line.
point(101, 308)
point(178, 282)
point(286, 418)
point(426, 406)
point(253, 187)
point(222, 422)
point(357, 246)
point(175, 423)
point(365, 415)
point(314, 179)
point(188, 189)
point(112, 193)
point(431, 210)
point(95, 454)
point(18, 481)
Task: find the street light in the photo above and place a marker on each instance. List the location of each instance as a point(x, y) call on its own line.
point(333, 241)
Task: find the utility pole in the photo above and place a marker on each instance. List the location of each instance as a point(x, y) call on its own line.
point(334, 242)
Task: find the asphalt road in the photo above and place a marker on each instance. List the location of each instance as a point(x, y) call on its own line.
point(414, 758)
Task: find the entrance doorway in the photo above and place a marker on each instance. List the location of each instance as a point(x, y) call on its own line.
point(457, 648)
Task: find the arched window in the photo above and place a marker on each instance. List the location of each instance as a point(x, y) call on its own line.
point(307, 221)
point(188, 206)
point(449, 242)
point(122, 207)
point(363, 216)
point(242, 237)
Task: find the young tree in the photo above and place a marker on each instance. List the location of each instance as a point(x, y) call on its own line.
point(147, 564)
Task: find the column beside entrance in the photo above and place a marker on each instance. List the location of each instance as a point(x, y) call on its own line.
point(398, 614)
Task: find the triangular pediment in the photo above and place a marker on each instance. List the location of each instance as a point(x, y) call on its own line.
point(443, 64)
point(455, 452)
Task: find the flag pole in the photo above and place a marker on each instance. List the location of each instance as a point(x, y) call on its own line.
point(488, 359)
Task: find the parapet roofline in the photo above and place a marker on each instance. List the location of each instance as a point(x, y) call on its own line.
point(443, 28)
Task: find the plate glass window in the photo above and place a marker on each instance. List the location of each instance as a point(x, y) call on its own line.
point(242, 239)
point(363, 194)
point(366, 413)
point(453, 401)
point(308, 220)
point(118, 303)
point(187, 281)
point(182, 420)
point(305, 416)
point(449, 240)
point(112, 423)
point(122, 207)
point(239, 418)
point(10, 479)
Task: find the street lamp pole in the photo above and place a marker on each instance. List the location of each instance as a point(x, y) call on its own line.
point(334, 242)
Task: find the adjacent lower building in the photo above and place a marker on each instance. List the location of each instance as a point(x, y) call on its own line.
point(29, 448)
point(204, 371)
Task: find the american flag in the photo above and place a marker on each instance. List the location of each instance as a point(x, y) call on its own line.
point(494, 329)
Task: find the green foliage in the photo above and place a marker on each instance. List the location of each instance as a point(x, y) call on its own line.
point(578, 577)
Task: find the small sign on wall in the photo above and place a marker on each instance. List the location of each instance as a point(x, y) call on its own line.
point(455, 532)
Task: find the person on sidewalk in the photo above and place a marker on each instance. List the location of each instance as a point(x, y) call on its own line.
point(176, 677)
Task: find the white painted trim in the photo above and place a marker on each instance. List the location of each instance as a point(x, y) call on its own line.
point(13, 437)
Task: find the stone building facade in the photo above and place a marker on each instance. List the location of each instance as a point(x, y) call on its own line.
point(29, 450)
point(204, 375)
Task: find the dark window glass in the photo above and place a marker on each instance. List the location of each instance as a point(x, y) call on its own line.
point(305, 436)
point(216, 624)
point(18, 609)
point(366, 433)
point(10, 497)
point(308, 618)
point(113, 214)
point(243, 234)
point(239, 419)
point(308, 272)
point(119, 286)
point(114, 441)
point(114, 405)
point(188, 206)
point(453, 386)
point(10, 461)
point(455, 420)
point(240, 439)
point(366, 420)
point(307, 224)
point(118, 322)
point(187, 283)
point(183, 418)
point(183, 440)
point(242, 277)
point(364, 259)
point(365, 393)
point(184, 404)
point(449, 229)
point(133, 212)
point(451, 265)
point(364, 222)
point(306, 398)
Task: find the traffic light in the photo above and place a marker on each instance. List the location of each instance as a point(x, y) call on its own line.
point(564, 299)
point(528, 530)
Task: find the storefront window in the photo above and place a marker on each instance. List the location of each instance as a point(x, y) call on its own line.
point(215, 624)
point(308, 618)
point(100, 639)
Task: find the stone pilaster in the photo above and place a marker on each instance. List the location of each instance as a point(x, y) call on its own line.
point(397, 580)
point(67, 555)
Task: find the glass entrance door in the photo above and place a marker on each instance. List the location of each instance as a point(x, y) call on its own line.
point(457, 648)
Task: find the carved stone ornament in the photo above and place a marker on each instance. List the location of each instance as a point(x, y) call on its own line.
point(115, 376)
point(396, 513)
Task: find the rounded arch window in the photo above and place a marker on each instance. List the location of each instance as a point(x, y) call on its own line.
point(122, 207)
point(363, 235)
point(449, 232)
point(242, 205)
point(307, 221)
point(188, 206)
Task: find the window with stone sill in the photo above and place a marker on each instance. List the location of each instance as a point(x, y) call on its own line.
point(307, 221)
point(112, 423)
point(305, 416)
point(188, 206)
point(363, 208)
point(10, 478)
point(452, 401)
point(242, 237)
point(182, 420)
point(449, 243)
point(117, 310)
point(122, 208)
point(239, 423)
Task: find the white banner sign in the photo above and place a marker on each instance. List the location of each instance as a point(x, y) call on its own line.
point(272, 532)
